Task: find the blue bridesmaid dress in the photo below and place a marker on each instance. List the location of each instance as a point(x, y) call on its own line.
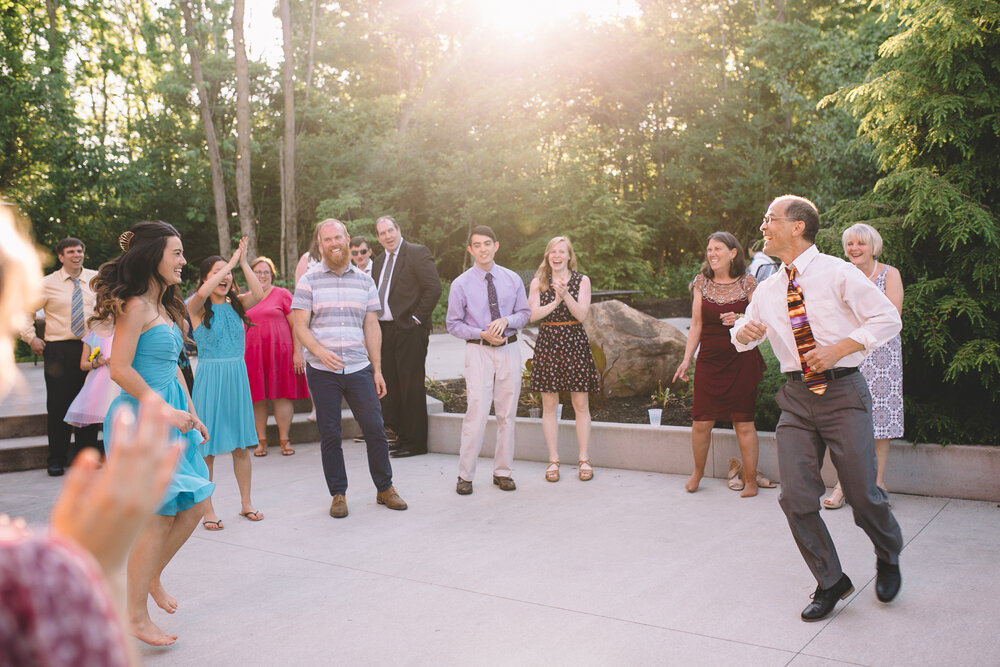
point(155, 360)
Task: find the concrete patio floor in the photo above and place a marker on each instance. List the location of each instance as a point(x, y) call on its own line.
point(626, 569)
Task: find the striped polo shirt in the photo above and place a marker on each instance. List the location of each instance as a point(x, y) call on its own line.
point(338, 304)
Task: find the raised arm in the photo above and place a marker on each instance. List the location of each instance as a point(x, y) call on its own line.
point(256, 293)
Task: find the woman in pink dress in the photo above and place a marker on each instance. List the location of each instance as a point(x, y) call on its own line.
point(274, 359)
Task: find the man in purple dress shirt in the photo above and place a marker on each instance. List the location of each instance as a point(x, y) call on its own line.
point(486, 307)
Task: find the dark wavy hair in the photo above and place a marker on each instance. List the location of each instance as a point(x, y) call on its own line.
point(232, 295)
point(739, 264)
point(129, 274)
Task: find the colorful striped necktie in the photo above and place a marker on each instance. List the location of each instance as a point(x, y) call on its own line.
point(76, 309)
point(804, 340)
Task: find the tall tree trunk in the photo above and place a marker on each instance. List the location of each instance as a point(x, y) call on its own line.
point(291, 224)
point(248, 226)
point(312, 49)
point(214, 159)
point(282, 259)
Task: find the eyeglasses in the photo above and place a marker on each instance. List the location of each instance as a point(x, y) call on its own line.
point(768, 218)
point(360, 252)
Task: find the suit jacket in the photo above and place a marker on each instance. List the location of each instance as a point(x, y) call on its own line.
point(415, 286)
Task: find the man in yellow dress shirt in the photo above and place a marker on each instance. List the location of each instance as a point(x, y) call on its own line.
point(68, 301)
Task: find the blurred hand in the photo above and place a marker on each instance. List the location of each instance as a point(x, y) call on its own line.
point(38, 346)
point(104, 510)
point(681, 371)
point(728, 319)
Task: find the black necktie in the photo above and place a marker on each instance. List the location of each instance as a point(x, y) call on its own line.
point(491, 292)
point(386, 274)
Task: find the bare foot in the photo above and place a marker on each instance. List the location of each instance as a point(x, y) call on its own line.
point(148, 632)
point(749, 491)
point(693, 481)
point(163, 600)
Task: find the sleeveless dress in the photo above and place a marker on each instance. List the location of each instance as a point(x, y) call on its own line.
point(91, 405)
point(269, 349)
point(883, 370)
point(563, 360)
point(221, 388)
point(156, 361)
point(725, 381)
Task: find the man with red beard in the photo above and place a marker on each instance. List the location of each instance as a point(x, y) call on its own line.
point(335, 312)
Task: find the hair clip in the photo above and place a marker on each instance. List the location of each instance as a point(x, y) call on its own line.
point(125, 240)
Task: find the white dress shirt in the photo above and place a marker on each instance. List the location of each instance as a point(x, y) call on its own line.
point(386, 312)
point(840, 303)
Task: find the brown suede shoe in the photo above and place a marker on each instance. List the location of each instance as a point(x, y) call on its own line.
point(390, 499)
point(338, 508)
point(463, 488)
point(505, 483)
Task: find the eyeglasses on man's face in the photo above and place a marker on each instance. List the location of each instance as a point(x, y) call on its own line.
point(356, 251)
point(766, 220)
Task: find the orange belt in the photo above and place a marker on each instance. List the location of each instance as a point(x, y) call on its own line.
point(558, 324)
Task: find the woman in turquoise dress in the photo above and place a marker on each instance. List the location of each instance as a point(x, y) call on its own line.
point(221, 386)
point(138, 292)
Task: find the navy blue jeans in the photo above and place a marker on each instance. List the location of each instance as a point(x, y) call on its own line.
point(327, 389)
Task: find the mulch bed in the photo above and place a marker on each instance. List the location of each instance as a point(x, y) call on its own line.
point(623, 410)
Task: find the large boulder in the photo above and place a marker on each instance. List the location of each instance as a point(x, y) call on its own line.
point(642, 352)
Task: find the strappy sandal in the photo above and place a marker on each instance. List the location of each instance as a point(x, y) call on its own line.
point(764, 482)
point(286, 447)
point(261, 448)
point(588, 474)
point(735, 476)
point(835, 500)
point(552, 474)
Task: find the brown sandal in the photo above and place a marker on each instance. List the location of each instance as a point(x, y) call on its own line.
point(586, 475)
point(286, 448)
point(550, 474)
point(764, 482)
point(735, 475)
point(261, 448)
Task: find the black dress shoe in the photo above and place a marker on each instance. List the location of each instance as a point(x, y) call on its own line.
point(404, 453)
point(887, 580)
point(825, 600)
point(56, 471)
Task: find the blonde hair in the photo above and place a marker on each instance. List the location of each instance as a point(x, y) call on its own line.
point(20, 288)
point(270, 265)
point(866, 234)
point(544, 272)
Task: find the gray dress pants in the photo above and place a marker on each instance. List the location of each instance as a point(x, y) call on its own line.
point(840, 419)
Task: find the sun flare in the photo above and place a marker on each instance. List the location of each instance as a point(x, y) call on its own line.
point(525, 15)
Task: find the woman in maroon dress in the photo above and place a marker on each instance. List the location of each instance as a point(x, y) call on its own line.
point(725, 381)
point(274, 360)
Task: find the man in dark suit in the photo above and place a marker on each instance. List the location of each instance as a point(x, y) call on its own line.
point(408, 288)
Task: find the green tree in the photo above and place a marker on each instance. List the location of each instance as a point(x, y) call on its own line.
point(931, 110)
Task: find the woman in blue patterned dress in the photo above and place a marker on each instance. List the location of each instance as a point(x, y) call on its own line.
point(221, 386)
point(883, 368)
point(138, 292)
point(560, 301)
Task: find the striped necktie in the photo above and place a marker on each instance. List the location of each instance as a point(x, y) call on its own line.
point(491, 296)
point(804, 340)
point(76, 310)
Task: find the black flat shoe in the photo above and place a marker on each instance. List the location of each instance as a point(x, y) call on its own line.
point(825, 600)
point(404, 453)
point(887, 580)
point(56, 471)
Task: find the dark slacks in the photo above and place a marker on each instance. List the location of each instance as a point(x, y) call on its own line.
point(404, 352)
point(327, 389)
point(840, 419)
point(63, 381)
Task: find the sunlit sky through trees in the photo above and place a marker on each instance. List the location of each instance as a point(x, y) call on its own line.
point(518, 17)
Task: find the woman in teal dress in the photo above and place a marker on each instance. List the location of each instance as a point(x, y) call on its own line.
point(221, 386)
point(138, 292)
